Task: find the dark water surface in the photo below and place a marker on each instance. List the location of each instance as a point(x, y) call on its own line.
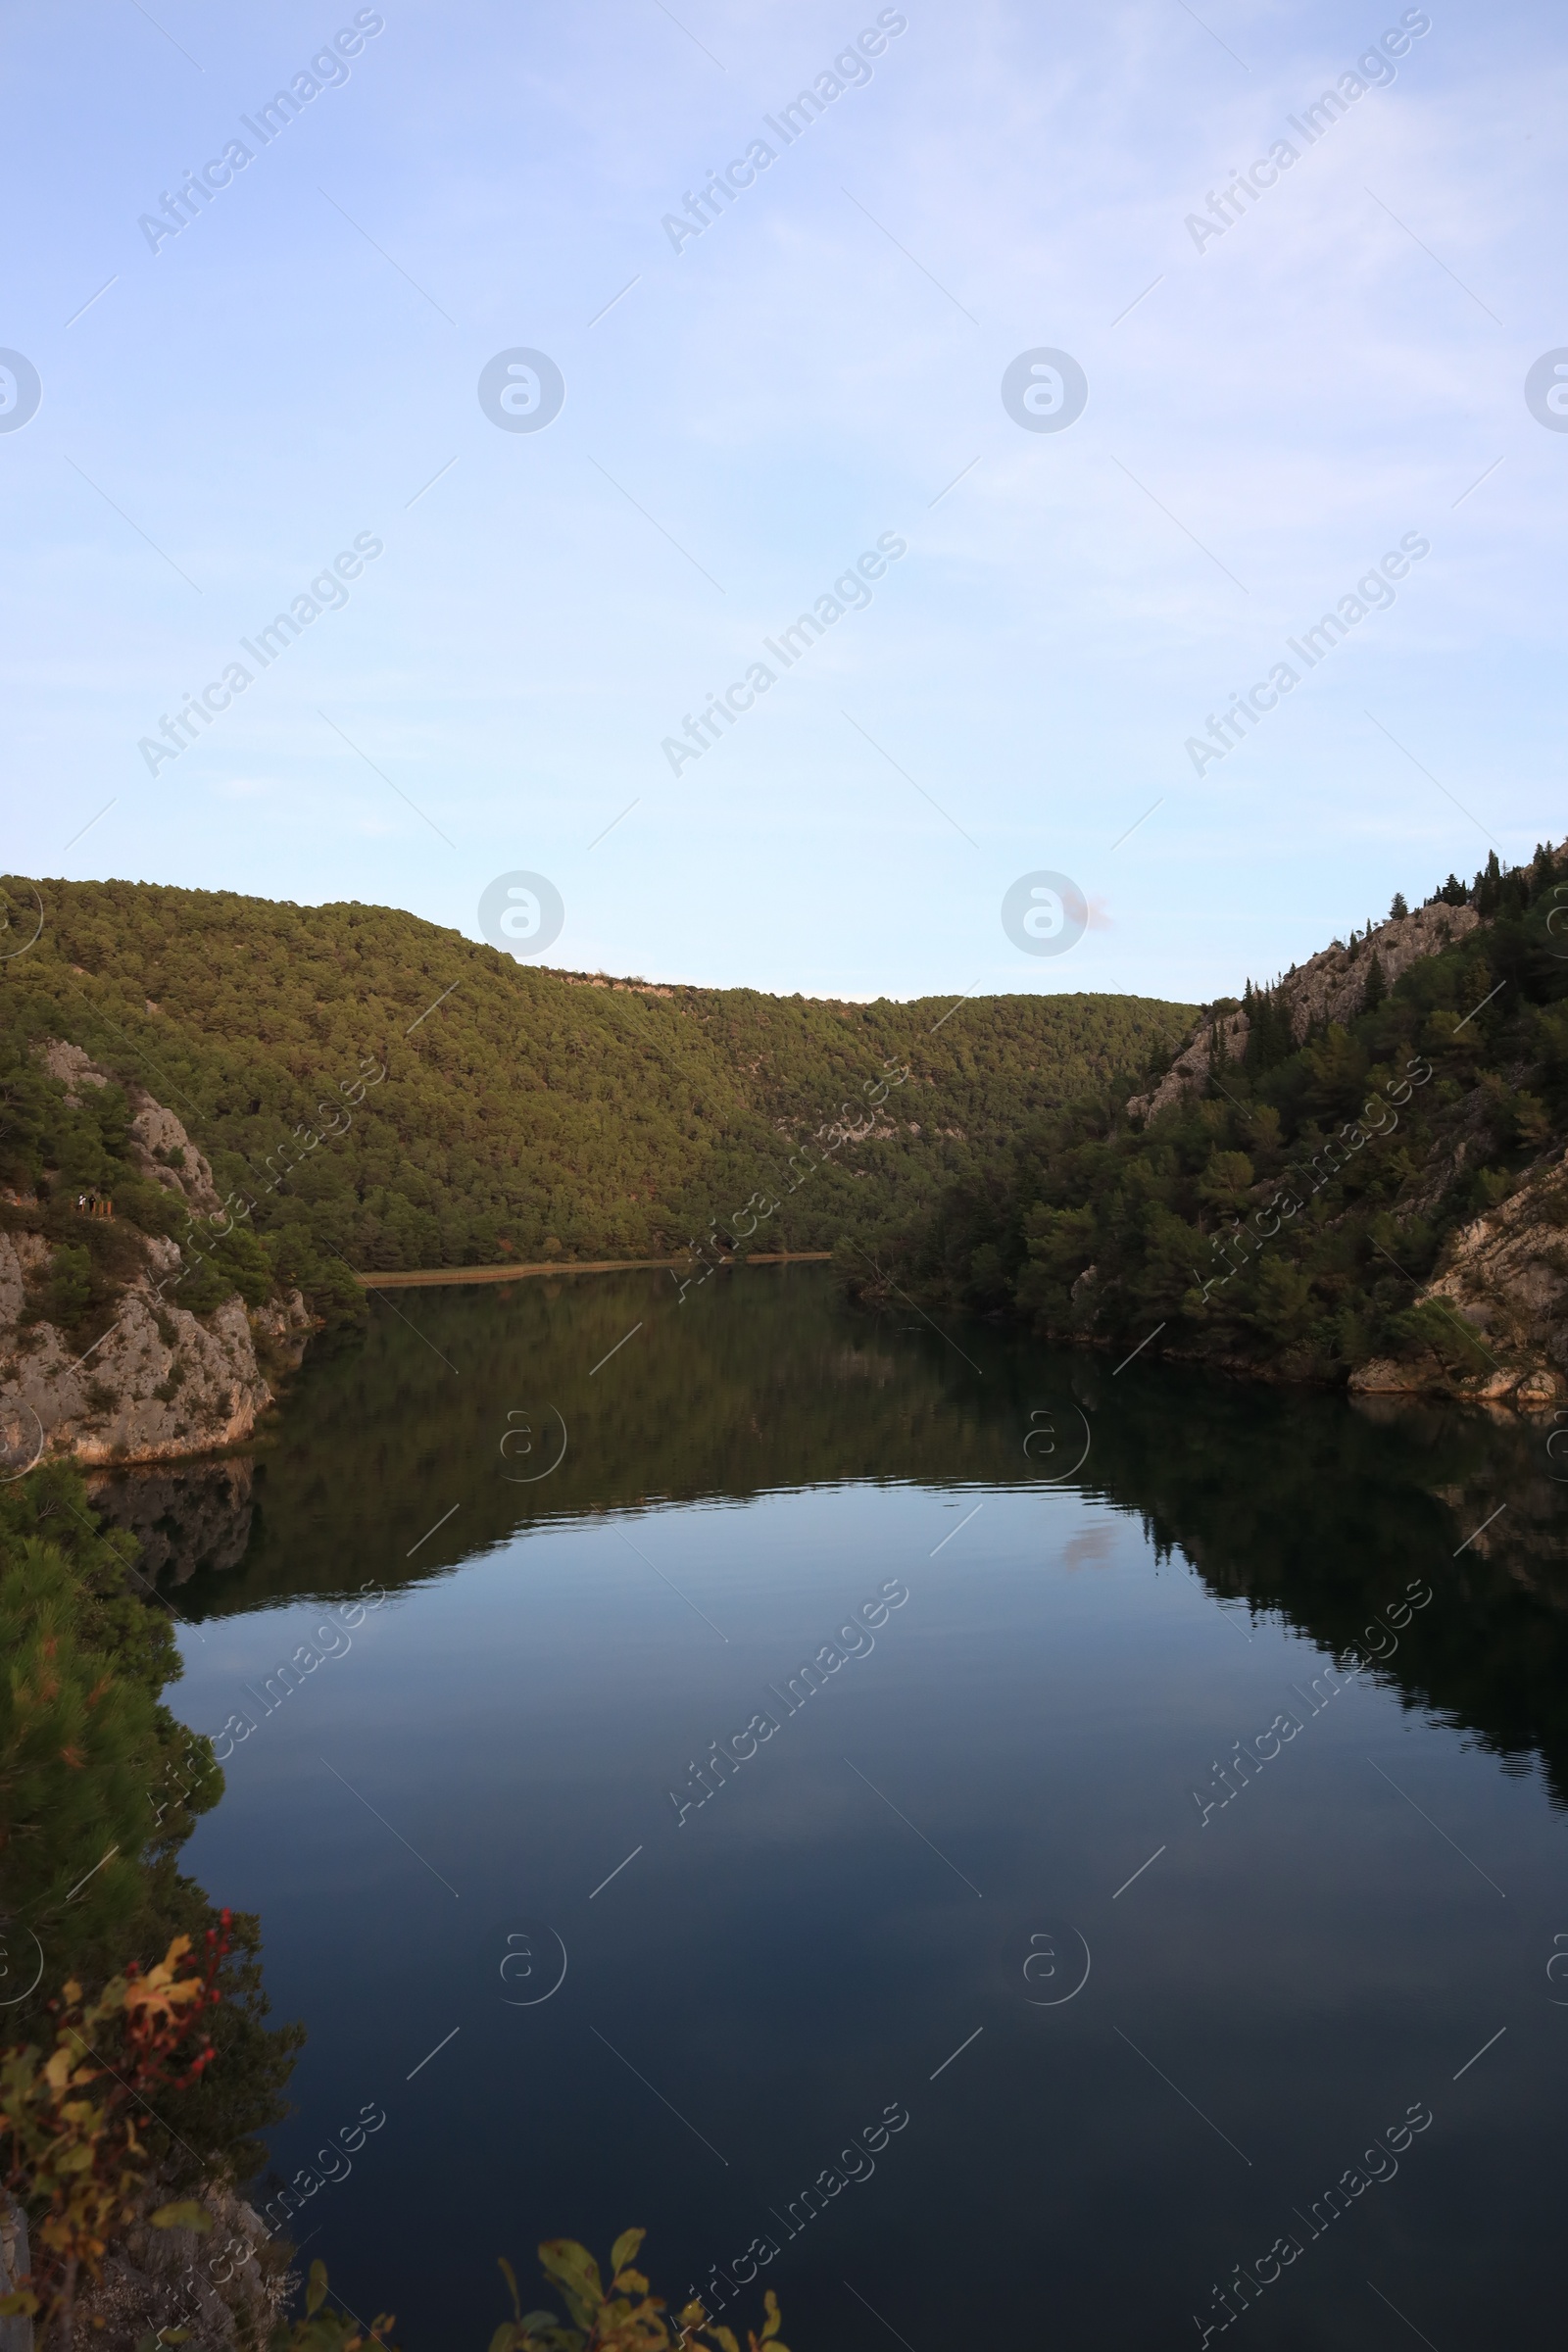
point(988, 1878)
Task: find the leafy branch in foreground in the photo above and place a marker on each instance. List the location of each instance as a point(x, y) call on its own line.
point(626, 2319)
point(72, 2153)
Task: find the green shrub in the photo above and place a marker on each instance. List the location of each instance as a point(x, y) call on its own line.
point(70, 1291)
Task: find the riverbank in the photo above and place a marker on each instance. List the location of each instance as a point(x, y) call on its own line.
point(428, 1277)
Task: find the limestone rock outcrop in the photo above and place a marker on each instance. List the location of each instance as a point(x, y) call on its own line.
point(160, 1150)
point(1505, 1275)
point(161, 1382)
point(1329, 986)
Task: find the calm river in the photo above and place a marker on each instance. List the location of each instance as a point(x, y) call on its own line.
point(910, 1817)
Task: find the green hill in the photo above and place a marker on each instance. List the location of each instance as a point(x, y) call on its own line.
point(523, 1112)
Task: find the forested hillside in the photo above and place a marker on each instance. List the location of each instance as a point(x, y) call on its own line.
point(374, 1092)
point(1354, 1173)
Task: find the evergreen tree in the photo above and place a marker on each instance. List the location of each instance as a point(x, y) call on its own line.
point(100, 1784)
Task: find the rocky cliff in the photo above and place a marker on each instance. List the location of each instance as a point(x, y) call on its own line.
point(159, 1148)
point(1330, 987)
point(160, 1381)
point(1501, 1283)
point(1504, 1280)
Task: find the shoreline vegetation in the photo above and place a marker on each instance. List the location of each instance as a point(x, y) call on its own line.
point(100, 1788)
point(424, 1277)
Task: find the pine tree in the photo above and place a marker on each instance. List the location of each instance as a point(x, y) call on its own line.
point(1399, 909)
point(1376, 988)
point(1269, 1042)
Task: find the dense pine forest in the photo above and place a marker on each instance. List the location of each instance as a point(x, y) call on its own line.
point(373, 1092)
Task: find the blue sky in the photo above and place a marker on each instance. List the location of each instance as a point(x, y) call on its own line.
point(1282, 403)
